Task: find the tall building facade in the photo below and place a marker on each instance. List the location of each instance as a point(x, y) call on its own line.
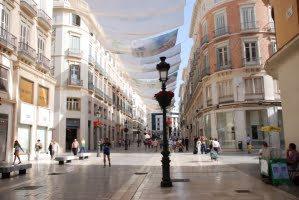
point(90, 85)
point(157, 123)
point(227, 93)
point(26, 84)
point(283, 65)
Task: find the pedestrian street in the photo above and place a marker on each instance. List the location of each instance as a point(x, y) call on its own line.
point(136, 174)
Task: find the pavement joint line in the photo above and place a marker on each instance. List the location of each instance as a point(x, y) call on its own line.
point(123, 191)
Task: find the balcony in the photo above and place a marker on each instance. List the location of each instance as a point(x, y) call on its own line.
point(221, 31)
point(26, 52)
point(254, 61)
point(91, 86)
point(108, 99)
point(29, 6)
point(75, 53)
point(43, 63)
point(91, 60)
point(74, 82)
point(206, 72)
point(226, 99)
point(7, 40)
point(220, 66)
point(204, 40)
point(44, 20)
point(250, 26)
point(99, 93)
point(254, 96)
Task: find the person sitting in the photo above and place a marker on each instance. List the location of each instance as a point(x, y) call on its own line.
point(292, 157)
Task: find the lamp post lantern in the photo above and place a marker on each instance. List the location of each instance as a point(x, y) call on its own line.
point(163, 68)
point(126, 134)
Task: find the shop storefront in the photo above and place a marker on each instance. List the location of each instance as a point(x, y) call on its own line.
point(3, 136)
point(226, 130)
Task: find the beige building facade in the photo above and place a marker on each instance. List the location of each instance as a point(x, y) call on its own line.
point(283, 65)
point(226, 93)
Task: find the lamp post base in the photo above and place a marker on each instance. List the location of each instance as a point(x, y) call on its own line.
point(166, 181)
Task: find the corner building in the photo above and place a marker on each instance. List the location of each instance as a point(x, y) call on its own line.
point(227, 92)
point(90, 86)
point(26, 83)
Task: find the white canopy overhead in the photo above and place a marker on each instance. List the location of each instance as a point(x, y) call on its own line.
point(141, 31)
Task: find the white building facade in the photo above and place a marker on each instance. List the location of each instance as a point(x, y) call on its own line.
point(26, 84)
point(90, 85)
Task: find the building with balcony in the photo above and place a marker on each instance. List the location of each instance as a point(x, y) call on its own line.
point(226, 92)
point(90, 86)
point(172, 129)
point(283, 65)
point(26, 84)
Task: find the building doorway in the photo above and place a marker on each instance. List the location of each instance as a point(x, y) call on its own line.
point(71, 134)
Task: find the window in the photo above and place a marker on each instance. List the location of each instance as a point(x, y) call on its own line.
point(206, 61)
point(276, 87)
point(89, 107)
point(40, 48)
point(209, 93)
point(43, 96)
point(24, 38)
point(251, 52)
point(204, 29)
point(254, 85)
point(222, 57)
point(75, 74)
point(73, 104)
point(3, 79)
point(26, 90)
point(76, 20)
point(248, 18)
point(90, 77)
point(225, 88)
point(220, 24)
point(4, 19)
point(75, 43)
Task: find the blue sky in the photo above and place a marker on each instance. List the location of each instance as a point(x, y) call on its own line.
point(186, 42)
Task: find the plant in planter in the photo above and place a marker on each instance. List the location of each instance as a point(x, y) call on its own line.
point(164, 98)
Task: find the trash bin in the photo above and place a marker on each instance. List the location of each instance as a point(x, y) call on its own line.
point(240, 145)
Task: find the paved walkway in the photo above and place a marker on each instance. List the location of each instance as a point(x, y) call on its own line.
point(88, 179)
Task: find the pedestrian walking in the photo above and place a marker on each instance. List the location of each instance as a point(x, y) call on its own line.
point(155, 145)
point(216, 145)
point(99, 148)
point(17, 148)
point(106, 150)
point(83, 145)
point(50, 148)
point(198, 145)
point(38, 148)
point(187, 143)
point(75, 146)
point(55, 149)
point(249, 145)
point(203, 145)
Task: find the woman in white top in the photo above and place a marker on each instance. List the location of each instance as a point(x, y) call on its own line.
point(198, 145)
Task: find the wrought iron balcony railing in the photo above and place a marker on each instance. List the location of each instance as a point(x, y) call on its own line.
point(7, 39)
point(250, 26)
point(27, 51)
point(44, 61)
point(221, 31)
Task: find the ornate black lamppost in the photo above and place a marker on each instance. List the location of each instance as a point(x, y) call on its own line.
point(163, 68)
point(98, 114)
point(126, 134)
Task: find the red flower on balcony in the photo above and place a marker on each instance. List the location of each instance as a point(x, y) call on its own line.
point(164, 98)
point(126, 130)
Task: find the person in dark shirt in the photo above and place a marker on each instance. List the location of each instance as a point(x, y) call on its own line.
point(106, 151)
point(187, 143)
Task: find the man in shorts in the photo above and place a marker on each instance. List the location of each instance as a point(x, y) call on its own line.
point(106, 151)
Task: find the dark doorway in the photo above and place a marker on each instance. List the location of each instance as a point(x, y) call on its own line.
point(71, 134)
